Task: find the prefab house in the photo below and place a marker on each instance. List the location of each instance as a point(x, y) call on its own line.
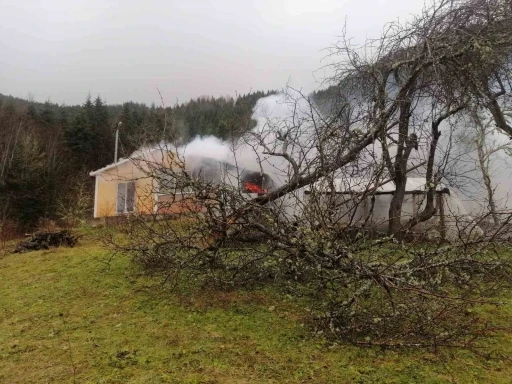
point(141, 185)
point(127, 186)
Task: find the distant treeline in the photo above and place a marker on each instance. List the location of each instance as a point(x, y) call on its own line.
point(47, 150)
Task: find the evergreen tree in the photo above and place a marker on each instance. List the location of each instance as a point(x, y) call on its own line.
point(80, 138)
point(23, 187)
point(47, 115)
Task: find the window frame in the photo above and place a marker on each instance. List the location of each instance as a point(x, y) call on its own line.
point(127, 199)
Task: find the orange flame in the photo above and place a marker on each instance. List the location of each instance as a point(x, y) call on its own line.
point(254, 188)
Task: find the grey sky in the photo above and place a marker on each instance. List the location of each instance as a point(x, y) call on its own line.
point(124, 50)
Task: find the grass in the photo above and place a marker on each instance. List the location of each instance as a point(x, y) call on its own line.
point(70, 316)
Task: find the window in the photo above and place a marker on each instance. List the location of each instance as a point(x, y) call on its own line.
point(125, 197)
point(172, 183)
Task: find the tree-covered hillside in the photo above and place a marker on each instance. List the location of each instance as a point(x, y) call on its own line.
point(47, 150)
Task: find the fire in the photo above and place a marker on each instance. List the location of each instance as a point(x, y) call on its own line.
point(253, 188)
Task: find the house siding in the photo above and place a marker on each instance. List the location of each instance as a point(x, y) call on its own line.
point(147, 201)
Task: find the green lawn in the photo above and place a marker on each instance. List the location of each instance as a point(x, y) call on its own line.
point(68, 316)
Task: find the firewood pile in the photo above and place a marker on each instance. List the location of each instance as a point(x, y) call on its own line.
point(45, 240)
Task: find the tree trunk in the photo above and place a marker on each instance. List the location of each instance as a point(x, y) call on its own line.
point(395, 208)
point(405, 145)
point(483, 161)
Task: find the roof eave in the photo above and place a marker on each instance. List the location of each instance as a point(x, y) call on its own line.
point(108, 167)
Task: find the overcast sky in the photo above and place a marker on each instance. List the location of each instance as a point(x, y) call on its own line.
point(124, 50)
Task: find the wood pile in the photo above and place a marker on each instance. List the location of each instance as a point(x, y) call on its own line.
point(45, 240)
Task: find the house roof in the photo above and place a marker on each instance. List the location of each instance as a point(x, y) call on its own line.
point(108, 167)
point(141, 154)
point(359, 185)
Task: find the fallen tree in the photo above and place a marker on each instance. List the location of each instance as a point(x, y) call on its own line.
point(402, 92)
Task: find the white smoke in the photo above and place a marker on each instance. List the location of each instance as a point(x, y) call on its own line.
point(275, 113)
point(207, 146)
point(291, 113)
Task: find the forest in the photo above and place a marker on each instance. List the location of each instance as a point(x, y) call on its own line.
point(47, 150)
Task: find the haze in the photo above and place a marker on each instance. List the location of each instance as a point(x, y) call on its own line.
point(125, 50)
